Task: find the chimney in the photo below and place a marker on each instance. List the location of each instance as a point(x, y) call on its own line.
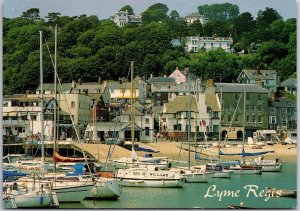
point(79, 81)
point(210, 83)
point(99, 80)
point(73, 84)
point(258, 70)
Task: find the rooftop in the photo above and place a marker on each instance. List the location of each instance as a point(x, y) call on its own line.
point(235, 87)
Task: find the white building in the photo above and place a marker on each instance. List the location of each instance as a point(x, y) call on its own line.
point(195, 43)
point(122, 17)
point(191, 18)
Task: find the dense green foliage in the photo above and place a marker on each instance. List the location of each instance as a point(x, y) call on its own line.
point(89, 48)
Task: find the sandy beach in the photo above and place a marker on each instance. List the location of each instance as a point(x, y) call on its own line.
point(174, 151)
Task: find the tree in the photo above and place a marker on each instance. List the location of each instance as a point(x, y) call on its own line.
point(53, 18)
point(155, 13)
point(174, 15)
point(196, 28)
point(32, 14)
point(243, 23)
point(220, 12)
point(127, 8)
point(271, 51)
point(266, 17)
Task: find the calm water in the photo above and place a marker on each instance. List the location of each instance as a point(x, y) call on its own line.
point(192, 195)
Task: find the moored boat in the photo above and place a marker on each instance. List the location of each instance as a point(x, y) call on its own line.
point(275, 192)
point(143, 177)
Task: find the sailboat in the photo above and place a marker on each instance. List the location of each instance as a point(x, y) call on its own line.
point(243, 167)
point(136, 161)
point(145, 177)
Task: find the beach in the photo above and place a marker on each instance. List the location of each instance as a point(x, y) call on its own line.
point(178, 151)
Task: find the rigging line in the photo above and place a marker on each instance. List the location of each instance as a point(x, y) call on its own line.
point(203, 129)
point(226, 137)
point(71, 117)
point(120, 107)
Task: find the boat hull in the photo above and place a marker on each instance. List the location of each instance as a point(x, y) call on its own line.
point(196, 178)
point(32, 200)
point(276, 168)
point(108, 189)
point(72, 193)
point(170, 183)
point(222, 174)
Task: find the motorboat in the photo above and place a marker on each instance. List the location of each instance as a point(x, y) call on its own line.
point(143, 177)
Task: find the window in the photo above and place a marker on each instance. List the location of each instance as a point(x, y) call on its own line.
point(259, 97)
point(5, 104)
point(253, 107)
point(259, 119)
point(215, 114)
point(33, 117)
point(215, 128)
point(228, 44)
point(158, 94)
point(204, 44)
point(147, 120)
point(284, 110)
point(253, 118)
point(236, 96)
point(229, 107)
point(236, 118)
point(247, 118)
point(247, 108)
point(247, 96)
point(259, 108)
point(72, 104)
point(220, 45)
point(272, 120)
point(147, 131)
point(229, 118)
point(212, 45)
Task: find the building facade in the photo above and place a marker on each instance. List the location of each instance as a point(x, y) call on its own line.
point(195, 43)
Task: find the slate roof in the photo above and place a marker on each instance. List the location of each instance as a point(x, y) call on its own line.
point(66, 87)
point(235, 88)
point(252, 74)
point(181, 103)
point(161, 80)
point(183, 87)
point(291, 82)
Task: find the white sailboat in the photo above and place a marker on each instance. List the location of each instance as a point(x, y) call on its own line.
point(145, 177)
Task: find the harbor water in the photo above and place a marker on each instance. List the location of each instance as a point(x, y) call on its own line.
point(218, 193)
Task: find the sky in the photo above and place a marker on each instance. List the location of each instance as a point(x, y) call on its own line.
point(105, 8)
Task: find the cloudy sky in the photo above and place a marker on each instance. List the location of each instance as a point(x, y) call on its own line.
point(105, 8)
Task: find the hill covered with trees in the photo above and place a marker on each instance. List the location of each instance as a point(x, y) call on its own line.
point(89, 48)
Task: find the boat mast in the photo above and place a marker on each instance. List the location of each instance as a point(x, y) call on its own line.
point(244, 117)
point(132, 105)
point(42, 95)
point(189, 121)
point(220, 119)
point(55, 89)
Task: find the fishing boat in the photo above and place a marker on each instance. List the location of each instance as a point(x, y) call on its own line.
point(143, 177)
point(275, 192)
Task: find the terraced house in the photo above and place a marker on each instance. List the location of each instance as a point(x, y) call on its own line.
point(233, 108)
